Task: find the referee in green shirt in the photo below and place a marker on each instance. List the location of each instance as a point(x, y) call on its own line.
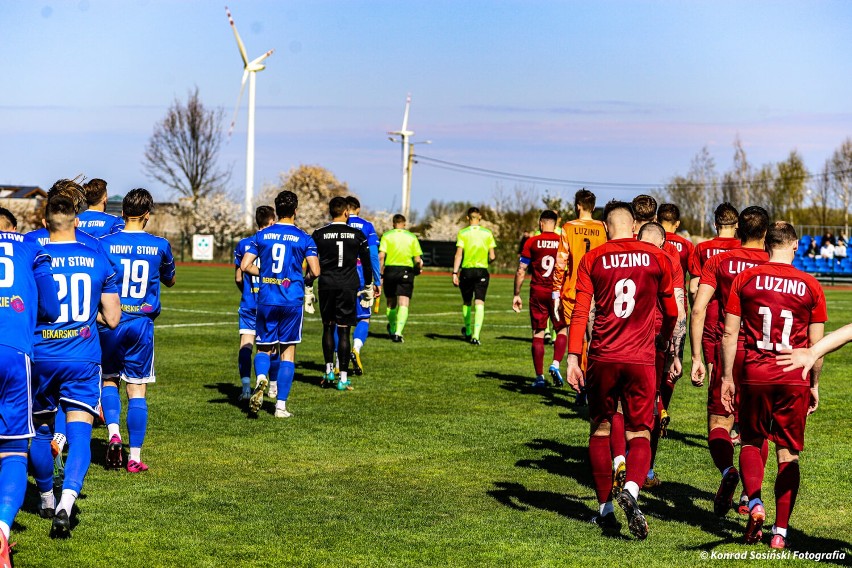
point(400, 259)
point(474, 250)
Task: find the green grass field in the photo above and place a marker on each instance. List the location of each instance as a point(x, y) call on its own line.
point(440, 456)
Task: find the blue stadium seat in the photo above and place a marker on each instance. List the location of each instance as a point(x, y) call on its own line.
point(797, 263)
point(821, 265)
point(809, 264)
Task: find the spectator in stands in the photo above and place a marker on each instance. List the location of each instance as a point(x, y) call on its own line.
point(813, 249)
point(827, 238)
point(842, 239)
point(827, 249)
point(840, 248)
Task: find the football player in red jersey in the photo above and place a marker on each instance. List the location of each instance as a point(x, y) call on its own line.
point(716, 280)
point(777, 307)
point(625, 278)
point(805, 359)
point(668, 215)
point(539, 255)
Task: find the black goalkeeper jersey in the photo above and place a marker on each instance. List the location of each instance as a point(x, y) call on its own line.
point(339, 247)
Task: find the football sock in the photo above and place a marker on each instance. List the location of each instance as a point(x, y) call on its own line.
point(633, 488)
point(66, 502)
point(402, 319)
point(721, 448)
point(751, 470)
point(392, 316)
point(666, 391)
point(764, 452)
point(466, 315)
point(478, 318)
point(655, 433)
point(59, 428)
point(560, 347)
point(344, 349)
point(638, 460)
point(48, 499)
point(274, 366)
point(111, 403)
point(262, 363)
point(617, 460)
point(329, 368)
point(606, 508)
point(328, 343)
point(41, 459)
point(786, 489)
point(779, 530)
point(79, 456)
point(601, 463)
point(137, 424)
point(538, 355)
point(244, 361)
point(617, 441)
point(285, 379)
point(343, 376)
point(13, 485)
point(359, 336)
point(281, 405)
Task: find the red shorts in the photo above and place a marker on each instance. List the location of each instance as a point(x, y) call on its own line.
point(714, 391)
point(541, 310)
point(634, 385)
point(775, 412)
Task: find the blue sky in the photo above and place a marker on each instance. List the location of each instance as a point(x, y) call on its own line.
point(612, 91)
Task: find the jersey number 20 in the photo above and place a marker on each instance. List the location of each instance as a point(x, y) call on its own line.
point(75, 296)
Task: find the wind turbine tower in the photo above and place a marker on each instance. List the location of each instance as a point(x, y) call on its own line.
point(250, 69)
point(404, 133)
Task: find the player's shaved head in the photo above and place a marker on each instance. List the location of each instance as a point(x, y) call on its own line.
point(60, 213)
point(398, 220)
point(353, 203)
point(548, 215)
point(8, 222)
point(137, 203)
point(95, 190)
point(644, 208)
point(618, 218)
point(69, 189)
point(264, 216)
point(725, 214)
point(753, 223)
point(618, 206)
point(780, 235)
point(337, 207)
point(668, 213)
point(584, 199)
point(654, 233)
point(286, 203)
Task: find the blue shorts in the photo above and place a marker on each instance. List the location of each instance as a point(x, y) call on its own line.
point(248, 321)
point(16, 406)
point(77, 384)
point(128, 351)
point(279, 324)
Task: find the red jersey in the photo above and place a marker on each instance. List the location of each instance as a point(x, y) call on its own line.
point(684, 249)
point(703, 251)
point(720, 271)
point(777, 303)
point(539, 253)
point(625, 277)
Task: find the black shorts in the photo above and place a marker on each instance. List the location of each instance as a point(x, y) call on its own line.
point(398, 281)
point(473, 283)
point(338, 306)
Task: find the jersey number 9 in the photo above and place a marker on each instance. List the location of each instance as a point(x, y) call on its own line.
point(278, 253)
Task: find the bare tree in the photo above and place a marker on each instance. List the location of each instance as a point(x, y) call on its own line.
point(821, 196)
point(183, 151)
point(736, 184)
point(315, 186)
point(841, 163)
point(790, 185)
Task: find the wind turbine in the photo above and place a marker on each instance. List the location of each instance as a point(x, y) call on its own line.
point(404, 133)
point(250, 71)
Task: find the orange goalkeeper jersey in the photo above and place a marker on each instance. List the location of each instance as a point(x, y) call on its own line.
point(578, 237)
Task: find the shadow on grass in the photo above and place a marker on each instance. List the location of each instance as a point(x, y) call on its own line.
point(693, 440)
point(231, 394)
point(515, 338)
point(455, 337)
point(562, 397)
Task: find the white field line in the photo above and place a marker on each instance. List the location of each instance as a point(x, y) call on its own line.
point(207, 324)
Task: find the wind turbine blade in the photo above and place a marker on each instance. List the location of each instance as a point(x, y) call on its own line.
point(237, 35)
point(262, 57)
point(405, 116)
point(237, 108)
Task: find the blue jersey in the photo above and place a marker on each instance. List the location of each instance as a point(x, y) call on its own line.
point(42, 237)
point(140, 261)
point(251, 284)
point(99, 224)
point(82, 275)
point(22, 262)
point(373, 242)
point(282, 248)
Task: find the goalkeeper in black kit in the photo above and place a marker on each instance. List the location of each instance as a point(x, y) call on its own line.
point(339, 247)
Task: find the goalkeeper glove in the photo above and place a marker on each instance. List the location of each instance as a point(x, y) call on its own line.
point(309, 300)
point(366, 297)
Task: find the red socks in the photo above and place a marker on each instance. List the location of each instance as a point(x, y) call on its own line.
point(764, 452)
point(638, 460)
point(666, 391)
point(786, 488)
point(560, 346)
point(751, 470)
point(601, 461)
point(721, 448)
point(617, 441)
point(538, 355)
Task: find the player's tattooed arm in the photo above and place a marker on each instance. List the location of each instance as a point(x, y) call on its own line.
point(680, 325)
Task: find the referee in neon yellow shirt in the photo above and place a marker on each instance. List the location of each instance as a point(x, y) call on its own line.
point(400, 260)
point(474, 251)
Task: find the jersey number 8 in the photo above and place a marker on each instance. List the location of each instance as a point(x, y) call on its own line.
point(625, 298)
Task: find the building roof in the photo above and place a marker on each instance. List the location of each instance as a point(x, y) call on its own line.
point(22, 192)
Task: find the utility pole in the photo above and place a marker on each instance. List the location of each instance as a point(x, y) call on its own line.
point(404, 134)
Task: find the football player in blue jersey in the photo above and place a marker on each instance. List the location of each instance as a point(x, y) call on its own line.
point(67, 356)
point(94, 220)
point(27, 292)
point(362, 328)
point(282, 249)
point(264, 216)
point(141, 262)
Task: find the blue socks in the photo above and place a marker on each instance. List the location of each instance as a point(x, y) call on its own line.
point(137, 422)
point(285, 379)
point(80, 453)
point(111, 404)
point(41, 458)
point(362, 330)
point(244, 361)
point(13, 485)
point(274, 366)
point(262, 363)
point(59, 422)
